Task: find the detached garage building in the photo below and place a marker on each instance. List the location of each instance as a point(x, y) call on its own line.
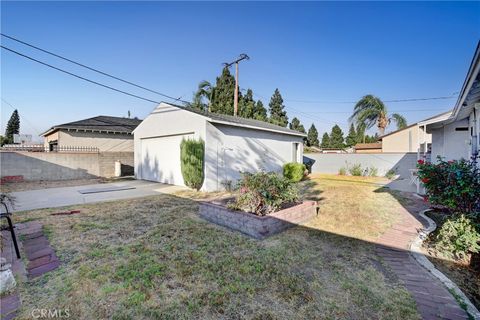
point(232, 145)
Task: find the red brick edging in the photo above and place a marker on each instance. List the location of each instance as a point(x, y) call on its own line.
point(433, 299)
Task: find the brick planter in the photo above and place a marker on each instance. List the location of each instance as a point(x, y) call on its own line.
point(258, 227)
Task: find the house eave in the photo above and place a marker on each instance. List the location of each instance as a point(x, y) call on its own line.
point(299, 134)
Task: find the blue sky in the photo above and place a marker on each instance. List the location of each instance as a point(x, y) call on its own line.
point(314, 51)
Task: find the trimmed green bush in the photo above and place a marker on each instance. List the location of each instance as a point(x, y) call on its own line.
point(294, 171)
point(192, 155)
point(458, 237)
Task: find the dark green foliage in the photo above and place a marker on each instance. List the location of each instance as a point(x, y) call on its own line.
point(356, 170)
point(294, 171)
point(246, 105)
point(352, 138)
point(336, 138)
point(297, 126)
point(325, 140)
point(453, 184)
point(205, 92)
point(13, 127)
point(3, 141)
point(458, 236)
point(224, 93)
point(263, 192)
point(192, 154)
point(260, 113)
point(371, 110)
point(312, 136)
point(278, 115)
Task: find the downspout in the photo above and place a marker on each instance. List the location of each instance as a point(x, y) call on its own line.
point(475, 134)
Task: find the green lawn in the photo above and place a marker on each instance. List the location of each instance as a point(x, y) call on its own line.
point(155, 258)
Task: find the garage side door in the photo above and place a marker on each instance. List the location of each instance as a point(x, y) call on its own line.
point(161, 159)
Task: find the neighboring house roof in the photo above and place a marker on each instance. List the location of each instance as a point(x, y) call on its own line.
point(105, 124)
point(239, 121)
point(368, 146)
point(440, 115)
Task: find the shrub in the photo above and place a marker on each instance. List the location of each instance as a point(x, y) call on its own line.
point(342, 171)
point(390, 174)
point(294, 171)
point(452, 184)
point(458, 237)
point(356, 170)
point(192, 154)
point(264, 192)
point(372, 172)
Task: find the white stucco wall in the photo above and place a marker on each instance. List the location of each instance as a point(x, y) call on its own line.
point(449, 143)
point(164, 122)
point(105, 142)
point(231, 150)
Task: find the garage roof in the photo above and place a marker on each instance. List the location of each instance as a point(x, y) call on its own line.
point(99, 124)
point(241, 122)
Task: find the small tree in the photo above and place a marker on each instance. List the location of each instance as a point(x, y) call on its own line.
point(325, 140)
point(336, 138)
point(278, 115)
point(259, 111)
point(13, 127)
point(192, 154)
point(297, 126)
point(352, 138)
point(312, 136)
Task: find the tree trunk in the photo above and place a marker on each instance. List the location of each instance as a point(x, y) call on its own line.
point(382, 124)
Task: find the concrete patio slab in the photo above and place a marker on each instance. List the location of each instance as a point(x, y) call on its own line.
point(59, 197)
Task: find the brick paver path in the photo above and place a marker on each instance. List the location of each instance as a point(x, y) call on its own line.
point(433, 299)
point(41, 259)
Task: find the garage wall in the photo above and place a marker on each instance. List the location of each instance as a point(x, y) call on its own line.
point(162, 161)
point(231, 150)
point(449, 143)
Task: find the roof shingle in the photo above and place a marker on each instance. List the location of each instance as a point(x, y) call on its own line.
point(100, 123)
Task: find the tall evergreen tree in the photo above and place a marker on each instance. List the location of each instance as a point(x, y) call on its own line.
point(336, 137)
point(246, 105)
point(224, 93)
point(297, 126)
point(278, 115)
point(352, 138)
point(325, 141)
point(259, 112)
point(312, 136)
point(13, 126)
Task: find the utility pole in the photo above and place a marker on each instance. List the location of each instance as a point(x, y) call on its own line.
point(242, 56)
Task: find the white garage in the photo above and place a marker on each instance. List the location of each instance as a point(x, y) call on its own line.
point(161, 156)
point(232, 145)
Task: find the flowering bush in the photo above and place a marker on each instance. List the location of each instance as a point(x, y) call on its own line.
point(453, 184)
point(264, 192)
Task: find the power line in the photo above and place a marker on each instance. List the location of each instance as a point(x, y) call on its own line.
point(453, 96)
point(79, 77)
point(21, 116)
point(90, 68)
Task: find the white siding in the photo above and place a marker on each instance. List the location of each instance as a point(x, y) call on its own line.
point(232, 150)
point(449, 143)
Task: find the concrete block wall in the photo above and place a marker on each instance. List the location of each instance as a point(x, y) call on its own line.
point(34, 166)
point(258, 227)
point(106, 162)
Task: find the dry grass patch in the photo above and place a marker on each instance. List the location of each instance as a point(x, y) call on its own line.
point(356, 207)
point(155, 258)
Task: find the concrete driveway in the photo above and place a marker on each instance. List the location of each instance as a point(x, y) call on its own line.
point(59, 197)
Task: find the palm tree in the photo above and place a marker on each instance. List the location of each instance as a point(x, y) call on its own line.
point(370, 110)
point(207, 91)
